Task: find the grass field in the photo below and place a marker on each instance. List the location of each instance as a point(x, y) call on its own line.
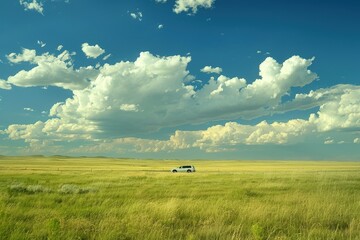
point(94, 198)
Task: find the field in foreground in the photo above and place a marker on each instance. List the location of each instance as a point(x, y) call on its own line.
point(93, 198)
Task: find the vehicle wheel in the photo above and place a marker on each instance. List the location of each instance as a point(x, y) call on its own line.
point(174, 171)
point(189, 171)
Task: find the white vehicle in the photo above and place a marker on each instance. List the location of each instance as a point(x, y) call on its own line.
point(188, 169)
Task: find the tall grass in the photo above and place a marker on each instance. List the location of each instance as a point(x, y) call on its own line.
point(61, 198)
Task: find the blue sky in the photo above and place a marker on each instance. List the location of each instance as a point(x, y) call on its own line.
point(210, 79)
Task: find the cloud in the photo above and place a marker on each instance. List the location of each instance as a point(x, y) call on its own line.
point(227, 137)
point(161, 1)
point(28, 109)
point(117, 101)
point(50, 70)
point(160, 26)
point(59, 47)
point(329, 141)
point(4, 85)
point(27, 55)
point(210, 69)
point(191, 5)
point(92, 51)
point(220, 137)
point(214, 139)
point(41, 43)
point(341, 112)
point(129, 107)
point(339, 106)
point(51, 130)
point(156, 85)
point(34, 5)
point(137, 15)
point(150, 93)
point(107, 57)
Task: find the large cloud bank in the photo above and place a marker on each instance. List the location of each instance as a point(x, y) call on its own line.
point(149, 94)
point(115, 102)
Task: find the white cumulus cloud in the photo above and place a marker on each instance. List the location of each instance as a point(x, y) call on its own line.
point(224, 137)
point(32, 5)
point(210, 69)
point(4, 85)
point(137, 15)
point(342, 111)
point(50, 70)
point(191, 5)
point(150, 93)
point(115, 101)
point(129, 107)
point(52, 129)
point(27, 55)
point(92, 51)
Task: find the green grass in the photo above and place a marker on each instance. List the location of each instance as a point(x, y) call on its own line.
point(93, 198)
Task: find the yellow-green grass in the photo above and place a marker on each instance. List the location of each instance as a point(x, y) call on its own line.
point(100, 198)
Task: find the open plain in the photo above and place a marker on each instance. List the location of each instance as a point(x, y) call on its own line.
point(103, 198)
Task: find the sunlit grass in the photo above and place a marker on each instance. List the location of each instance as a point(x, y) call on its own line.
point(90, 198)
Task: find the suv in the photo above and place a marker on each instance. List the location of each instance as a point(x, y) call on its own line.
point(188, 169)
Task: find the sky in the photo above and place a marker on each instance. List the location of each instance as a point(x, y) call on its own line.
point(180, 79)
